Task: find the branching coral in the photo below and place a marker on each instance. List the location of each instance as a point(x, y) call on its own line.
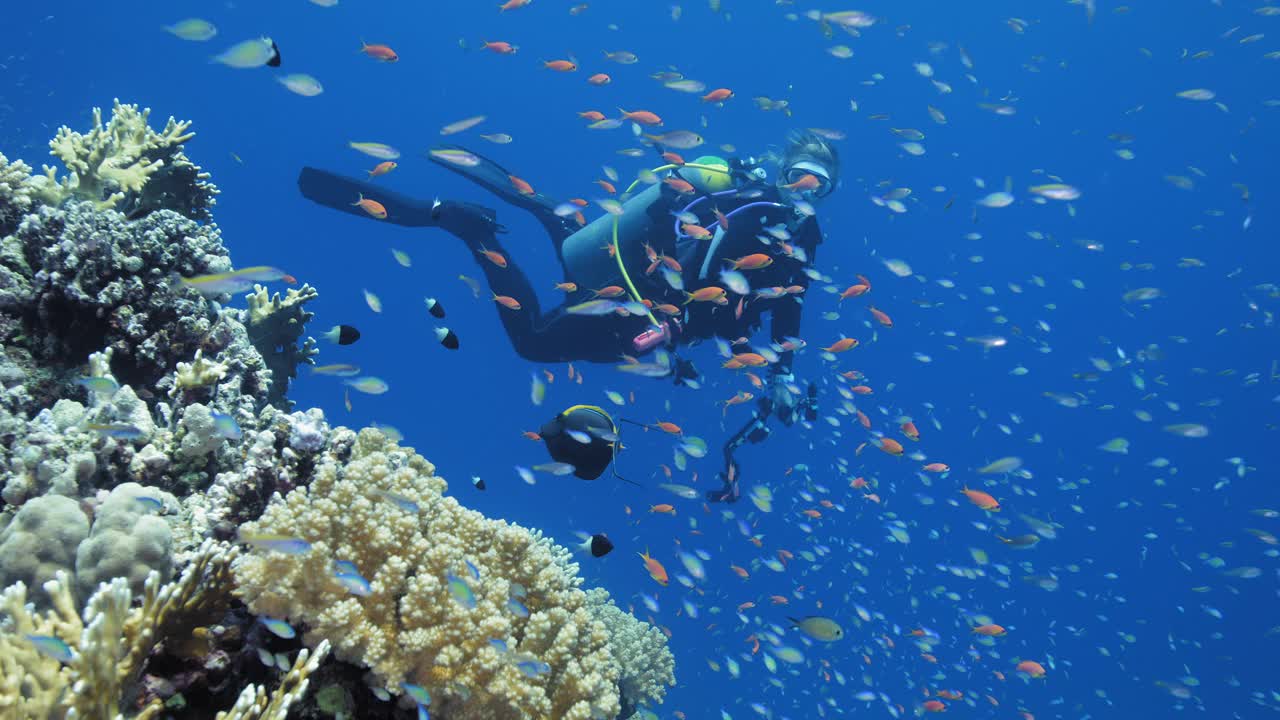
point(109, 644)
point(383, 510)
point(646, 667)
point(128, 166)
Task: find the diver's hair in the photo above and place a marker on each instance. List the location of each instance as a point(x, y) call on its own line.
point(807, 145)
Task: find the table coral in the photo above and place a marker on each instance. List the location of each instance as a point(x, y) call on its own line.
point(383, 509)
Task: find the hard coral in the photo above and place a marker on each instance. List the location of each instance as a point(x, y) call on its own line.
point(127, 166)
point(382, 508)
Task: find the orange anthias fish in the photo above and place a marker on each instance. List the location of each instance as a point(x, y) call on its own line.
point(382, 53)
point(982, 500)
point(382, 168)
point(717, 95)
point(494, 257)
point(500, 47)
point(936, 467)
point(663, 508)
point(754, 261)
point(909, 429)
point(513, 5)
point(373, 207)
point(668, 427)
point(609, 291)
point(681, 186)
point(806, 182)
point(714, 293)
point(841, 345)
point(991, 630)
point(567, 286)
point(881, 317)
point(853, 291)
point(656, 571)
point(742, 360)
point(506, 301)
point(741, 397)
point(891, 446)
point(641, 117)
point(696, 232)
point(561, 66)
point(599, 79)
point(591, 116)
point(1032, 668)
point(521, 186)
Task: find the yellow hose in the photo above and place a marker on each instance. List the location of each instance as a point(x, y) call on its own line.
point(617, 251)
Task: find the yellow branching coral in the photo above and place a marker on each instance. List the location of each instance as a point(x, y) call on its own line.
point(108, 646)
point(445, 583)
point(197, 373)
point(113, 159)
point(255, 703)
point(262, 306)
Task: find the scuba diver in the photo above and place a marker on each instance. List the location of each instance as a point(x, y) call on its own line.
point(669, 249)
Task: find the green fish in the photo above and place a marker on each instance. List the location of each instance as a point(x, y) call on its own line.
point(819, 628)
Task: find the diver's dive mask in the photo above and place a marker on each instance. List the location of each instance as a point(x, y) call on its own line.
point(795, 173)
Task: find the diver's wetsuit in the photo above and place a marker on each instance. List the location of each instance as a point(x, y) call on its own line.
point(558, 336)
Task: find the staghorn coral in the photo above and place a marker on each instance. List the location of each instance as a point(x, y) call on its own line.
point(411, 628)
point(125, 165)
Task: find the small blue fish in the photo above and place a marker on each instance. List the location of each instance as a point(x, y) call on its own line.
point(345, 566)
point(475, 571)
point(119, 431)
point(354, 583)
point(461, 591)
point(417, 692)
point(399, 501)
point(498, 644)
point(150, 503)
point(532, 667)
point(517, 608)
point(422, 713)
point(226, 426)
point(279, 628)
point(276, 543)
point(52, 646)
point(100, 385)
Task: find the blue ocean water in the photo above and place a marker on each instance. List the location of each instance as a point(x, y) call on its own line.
point(1163, 559)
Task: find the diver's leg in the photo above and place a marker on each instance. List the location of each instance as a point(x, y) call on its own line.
point(497, 180)
point(341, 193)
point(556, 336)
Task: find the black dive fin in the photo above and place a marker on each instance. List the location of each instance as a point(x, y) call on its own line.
point(497, 180)
point(341, 193)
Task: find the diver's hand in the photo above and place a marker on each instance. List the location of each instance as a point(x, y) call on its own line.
point(783, 400)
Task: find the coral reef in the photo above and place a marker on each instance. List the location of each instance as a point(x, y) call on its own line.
point(143, 425)
point(381, 508)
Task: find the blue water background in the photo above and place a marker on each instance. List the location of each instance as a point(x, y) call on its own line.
point(1072, 83)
